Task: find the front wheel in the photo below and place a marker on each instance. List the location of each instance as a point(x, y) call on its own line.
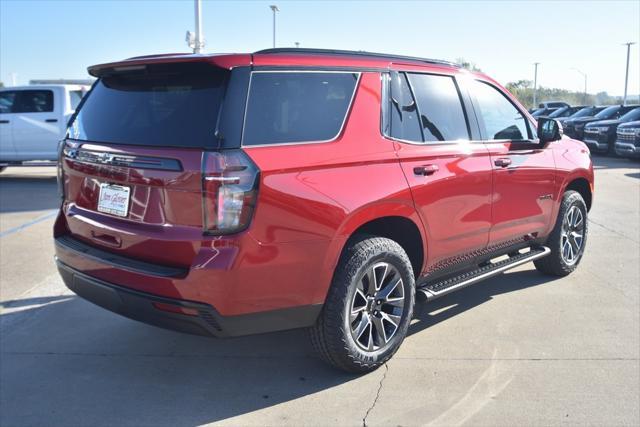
point(368, 308)
point(568, 238)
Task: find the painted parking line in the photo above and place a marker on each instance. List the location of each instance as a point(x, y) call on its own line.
point(21, 227)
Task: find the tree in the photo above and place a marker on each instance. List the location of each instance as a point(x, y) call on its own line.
point(471, 66)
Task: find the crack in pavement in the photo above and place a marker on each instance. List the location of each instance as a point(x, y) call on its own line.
point(364, 419)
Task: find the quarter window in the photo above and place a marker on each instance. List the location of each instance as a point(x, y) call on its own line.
point(288, 107)
point(75, 96)
point(502, 120)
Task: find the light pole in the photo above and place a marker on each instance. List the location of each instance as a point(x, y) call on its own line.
point(275, 9)
point(196, 41)
point(297, 44)
point(626, 75)
point(584, 99)
point(535, 84)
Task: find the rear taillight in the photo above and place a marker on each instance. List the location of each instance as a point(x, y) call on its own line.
point(230, 190)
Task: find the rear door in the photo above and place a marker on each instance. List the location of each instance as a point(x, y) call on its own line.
point(449, 173)
point(37, 117)
point(7, 150)
point(524, 187)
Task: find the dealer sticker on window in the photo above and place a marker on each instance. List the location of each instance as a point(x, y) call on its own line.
point(114, 199)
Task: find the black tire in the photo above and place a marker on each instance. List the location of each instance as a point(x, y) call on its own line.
point(555, 263)
point(332, 336)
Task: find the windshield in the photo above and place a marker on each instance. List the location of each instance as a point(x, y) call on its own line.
point(159, 105)
point(562, 112)
point(631, 115)
point(587, 111)
point(607, 112)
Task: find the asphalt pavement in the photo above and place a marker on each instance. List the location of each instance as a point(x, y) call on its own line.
point(519, 349)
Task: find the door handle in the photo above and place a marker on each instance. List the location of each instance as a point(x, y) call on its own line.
point(51, 120)
point(502, 162)
point(425, 170)
point(4, 121)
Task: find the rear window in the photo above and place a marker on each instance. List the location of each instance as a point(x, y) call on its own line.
point(157, 105)
point(75, 96)
point(295, 106)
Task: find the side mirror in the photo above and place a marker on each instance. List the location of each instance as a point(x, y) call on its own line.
point(548, 130)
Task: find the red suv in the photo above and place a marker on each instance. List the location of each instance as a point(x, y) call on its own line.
point(237, 194)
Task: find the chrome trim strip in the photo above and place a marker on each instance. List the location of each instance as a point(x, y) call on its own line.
point(344, 120)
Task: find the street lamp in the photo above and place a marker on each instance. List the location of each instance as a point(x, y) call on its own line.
point(535, 84)
point(626, 75)
point(584, 99)
point(275, 9)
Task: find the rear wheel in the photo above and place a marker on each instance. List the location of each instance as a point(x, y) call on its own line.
point(369, 306)
point(568, 238)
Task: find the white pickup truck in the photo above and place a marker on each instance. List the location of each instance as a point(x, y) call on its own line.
point(33, 119)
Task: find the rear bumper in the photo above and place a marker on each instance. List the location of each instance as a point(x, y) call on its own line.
point(202, 319)
point(626, 149)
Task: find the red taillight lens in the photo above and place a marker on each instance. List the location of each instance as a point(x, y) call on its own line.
point(230, 184)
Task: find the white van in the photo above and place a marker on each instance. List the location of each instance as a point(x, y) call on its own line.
point(33, 119)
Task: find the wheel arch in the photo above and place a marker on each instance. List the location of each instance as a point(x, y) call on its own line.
point(582, 186)
point(397, 220)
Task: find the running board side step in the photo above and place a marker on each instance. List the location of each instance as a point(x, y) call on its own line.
point(435, 290)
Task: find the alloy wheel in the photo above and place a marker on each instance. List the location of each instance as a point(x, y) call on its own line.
point(377, 306)
point(572, 235)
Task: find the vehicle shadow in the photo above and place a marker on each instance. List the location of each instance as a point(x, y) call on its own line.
point(22, 193)
point(427, 314)
point(71, 363)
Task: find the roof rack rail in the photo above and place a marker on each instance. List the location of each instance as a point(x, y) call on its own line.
point(361, 53)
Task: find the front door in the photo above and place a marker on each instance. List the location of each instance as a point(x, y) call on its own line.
point(449, 175)
point(524, 186)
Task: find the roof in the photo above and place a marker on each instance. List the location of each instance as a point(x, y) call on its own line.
point(280, 57)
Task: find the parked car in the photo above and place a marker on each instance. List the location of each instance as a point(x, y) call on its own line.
point(237, 194)
point(574, 128)
point(543, 112)
point(33, 120)
point(584, 112)
point(553, 104)
point(628, 140)
point(565, 112)
point(600, 136)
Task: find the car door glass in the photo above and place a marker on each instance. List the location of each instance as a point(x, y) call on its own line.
point(33, 101)
point(439, 108)
point(7, 99)
point(404, 113)
point(502, 120)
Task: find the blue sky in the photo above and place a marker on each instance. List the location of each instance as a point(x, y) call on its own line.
point(59, 39)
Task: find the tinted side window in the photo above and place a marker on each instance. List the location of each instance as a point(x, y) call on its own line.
point(404, 114)
point(7, 99)
point(33, 101)
point(297, 106)
point(502, 120)
point(439, 107)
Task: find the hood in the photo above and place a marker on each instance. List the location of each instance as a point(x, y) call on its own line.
point(635, 124)
point(583, 120)
point(609, 122)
